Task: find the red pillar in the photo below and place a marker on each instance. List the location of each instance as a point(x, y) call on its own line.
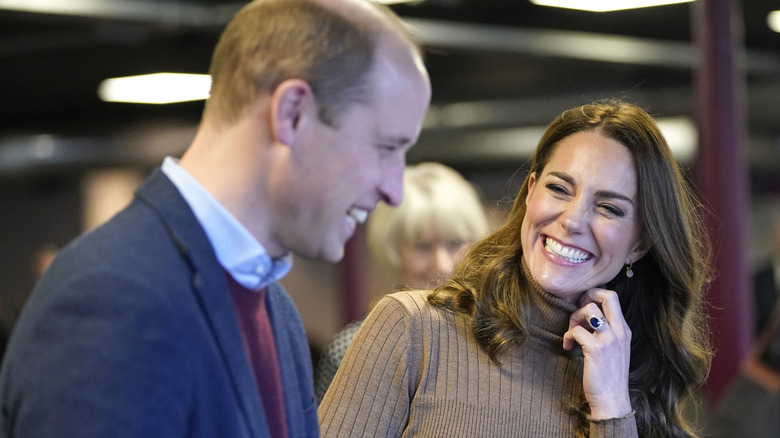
point(722, 180)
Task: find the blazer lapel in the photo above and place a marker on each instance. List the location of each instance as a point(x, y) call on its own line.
point(294, 362)
point(210, 289)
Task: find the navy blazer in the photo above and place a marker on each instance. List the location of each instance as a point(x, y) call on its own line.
point(132, 333)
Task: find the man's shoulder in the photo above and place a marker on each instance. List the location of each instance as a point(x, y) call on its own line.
point(134, 249)
point(156, 224)
point(132, 236)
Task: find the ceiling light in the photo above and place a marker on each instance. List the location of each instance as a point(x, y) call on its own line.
point(773, 20)
point(605, 5)
point(156, 88)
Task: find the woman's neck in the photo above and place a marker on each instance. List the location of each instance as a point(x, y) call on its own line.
point(548, 313)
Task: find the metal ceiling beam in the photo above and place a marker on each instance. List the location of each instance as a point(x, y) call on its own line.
point(483, 133)
point(572, 45)
point(433, 33)
point(672, 101)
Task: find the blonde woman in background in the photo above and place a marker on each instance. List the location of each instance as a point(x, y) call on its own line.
point(417, 242)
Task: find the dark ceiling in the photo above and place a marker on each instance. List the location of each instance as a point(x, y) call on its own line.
point(495, 65)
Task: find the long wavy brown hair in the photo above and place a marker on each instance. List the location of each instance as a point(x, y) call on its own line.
point(663, 303)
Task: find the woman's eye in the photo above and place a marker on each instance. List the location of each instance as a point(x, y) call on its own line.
point(423, 246)
point(555, 188)
point(612, 210)
point(454, 246)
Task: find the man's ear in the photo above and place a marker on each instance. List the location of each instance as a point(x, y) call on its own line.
point(290, 102)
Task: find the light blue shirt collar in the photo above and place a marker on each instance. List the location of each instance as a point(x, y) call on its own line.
point(236, 248)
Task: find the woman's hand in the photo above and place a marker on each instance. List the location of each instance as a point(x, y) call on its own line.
point(607, 353)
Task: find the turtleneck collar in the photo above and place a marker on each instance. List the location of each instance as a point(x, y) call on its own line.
point(549, 315)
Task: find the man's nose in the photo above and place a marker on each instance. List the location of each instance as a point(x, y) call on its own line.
point(392, 186)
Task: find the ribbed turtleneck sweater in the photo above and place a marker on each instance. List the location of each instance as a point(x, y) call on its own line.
point(416, 370)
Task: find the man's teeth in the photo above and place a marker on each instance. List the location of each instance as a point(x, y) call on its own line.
point(357, 215)
point(569, 254)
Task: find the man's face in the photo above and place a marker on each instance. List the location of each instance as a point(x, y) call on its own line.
point(341, 173)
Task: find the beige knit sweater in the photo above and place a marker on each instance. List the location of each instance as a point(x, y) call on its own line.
point(415, 370)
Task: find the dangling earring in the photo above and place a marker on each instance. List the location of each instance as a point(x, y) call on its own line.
point(629, 272)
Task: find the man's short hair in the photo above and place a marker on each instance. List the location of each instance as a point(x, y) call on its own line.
point(269, 41)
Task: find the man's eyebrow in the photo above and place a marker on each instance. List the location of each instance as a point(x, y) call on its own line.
point(599, 194)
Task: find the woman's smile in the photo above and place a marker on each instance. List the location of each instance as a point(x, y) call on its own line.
point(567, 253)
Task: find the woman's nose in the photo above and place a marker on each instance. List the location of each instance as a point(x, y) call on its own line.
point(574, 218)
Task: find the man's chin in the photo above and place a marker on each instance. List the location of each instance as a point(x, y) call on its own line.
point(333, 254)
point(329, 255)
point(333, 259)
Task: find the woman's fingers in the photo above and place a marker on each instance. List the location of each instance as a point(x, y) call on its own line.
point(581, 319)
point(607, 300)
point(599, 327)
point(608, 303)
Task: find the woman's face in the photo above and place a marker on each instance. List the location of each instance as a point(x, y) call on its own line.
point(581, 224)
point(428, 261)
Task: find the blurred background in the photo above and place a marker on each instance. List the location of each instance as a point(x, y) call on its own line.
point(501, 70)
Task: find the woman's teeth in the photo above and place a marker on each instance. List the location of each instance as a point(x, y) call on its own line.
point(566, 253)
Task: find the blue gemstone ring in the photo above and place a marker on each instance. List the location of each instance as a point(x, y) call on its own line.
point(597, 322)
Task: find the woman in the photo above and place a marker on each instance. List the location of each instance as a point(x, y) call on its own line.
point(580, 316)
point(417, 242)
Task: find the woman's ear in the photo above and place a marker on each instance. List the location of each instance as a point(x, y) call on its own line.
point(291, 101)
point(531, 186)
point(639, 251)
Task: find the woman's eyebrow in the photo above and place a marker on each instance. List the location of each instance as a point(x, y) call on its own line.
point(613, 195)
point(600, 194)
point(564, 176)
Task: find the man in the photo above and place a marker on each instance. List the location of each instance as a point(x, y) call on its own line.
point(168, 321)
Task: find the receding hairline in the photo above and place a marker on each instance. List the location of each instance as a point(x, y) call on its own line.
point(374, 28)
point(376, 15)
point(369, 12)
